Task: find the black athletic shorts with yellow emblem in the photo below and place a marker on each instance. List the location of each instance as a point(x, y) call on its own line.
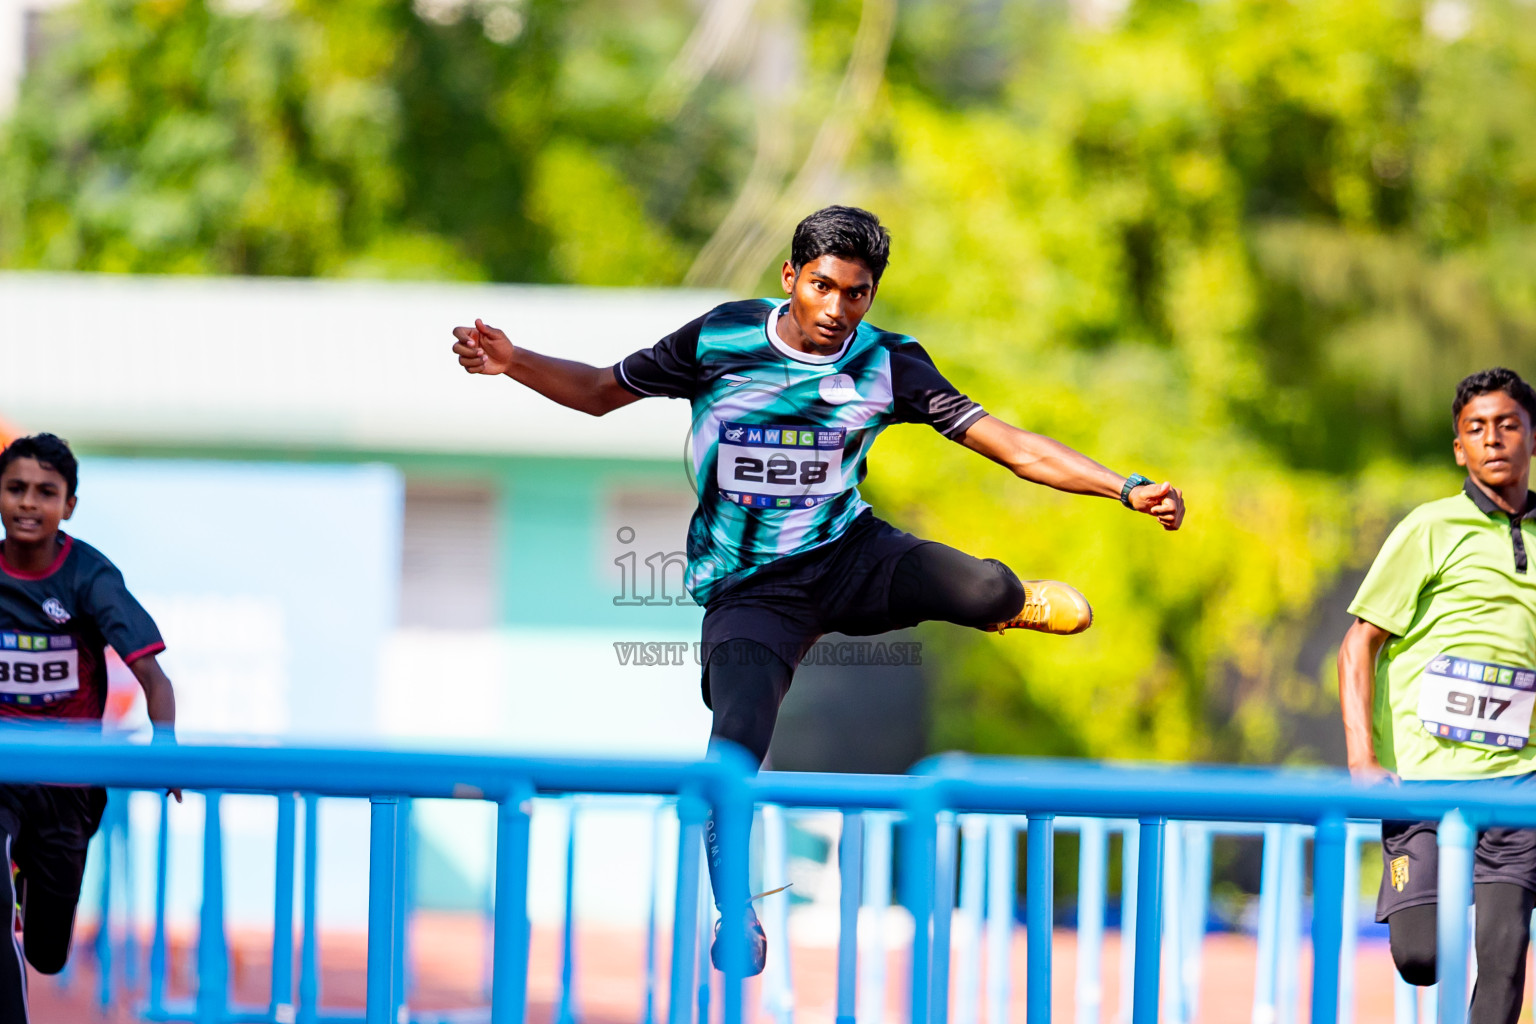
point(1410, 851)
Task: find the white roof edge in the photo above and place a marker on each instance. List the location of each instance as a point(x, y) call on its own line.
point(350, 365)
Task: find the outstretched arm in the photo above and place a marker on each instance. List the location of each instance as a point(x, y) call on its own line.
point(1041, 460)
point(589, 389)
point(1357, 691)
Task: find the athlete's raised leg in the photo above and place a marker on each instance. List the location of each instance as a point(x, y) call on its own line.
point(936, 582)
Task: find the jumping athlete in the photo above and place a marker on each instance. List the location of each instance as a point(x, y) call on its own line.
point(1437, 679)
point(788, 397)
point(61, 604)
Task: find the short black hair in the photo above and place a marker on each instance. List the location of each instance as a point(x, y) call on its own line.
point(844, 231)
point(1486, 382)
point(50, 451)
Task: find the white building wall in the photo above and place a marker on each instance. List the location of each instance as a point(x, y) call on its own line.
point(351, 365)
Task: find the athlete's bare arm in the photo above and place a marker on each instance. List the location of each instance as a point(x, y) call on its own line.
point(1357, 690)
point(589, 389)
point(159, 697)
point(1041, 460)
point(159, 700)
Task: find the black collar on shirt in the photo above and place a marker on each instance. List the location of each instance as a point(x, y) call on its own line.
point(1487, 507)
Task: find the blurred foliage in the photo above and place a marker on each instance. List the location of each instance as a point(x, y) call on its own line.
point(1247, 245)
point(366, 137)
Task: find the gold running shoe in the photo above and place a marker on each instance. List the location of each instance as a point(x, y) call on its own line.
point(1050, 607)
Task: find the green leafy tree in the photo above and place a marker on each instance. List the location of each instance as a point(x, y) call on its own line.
point(1245, 245)
point(1248, 245)
point(483, 140)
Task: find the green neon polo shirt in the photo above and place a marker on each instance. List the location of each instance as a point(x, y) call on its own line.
point(1452, 578)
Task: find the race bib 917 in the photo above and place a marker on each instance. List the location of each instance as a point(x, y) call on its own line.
point(769, 466)
point(37, 669)
point(1478, 702)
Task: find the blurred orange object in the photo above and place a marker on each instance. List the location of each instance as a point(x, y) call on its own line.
point(8, 433)
point(125, 698)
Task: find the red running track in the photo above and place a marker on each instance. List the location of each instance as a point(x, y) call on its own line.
point(449, 950)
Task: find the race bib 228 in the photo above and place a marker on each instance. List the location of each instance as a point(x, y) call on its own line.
point(779, 466)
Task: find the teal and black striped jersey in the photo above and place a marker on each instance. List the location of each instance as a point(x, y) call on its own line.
point(779, 436)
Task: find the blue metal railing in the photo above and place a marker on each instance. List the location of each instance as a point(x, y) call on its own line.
point(1183, 925)
point(1166, 816)
point(385, 778)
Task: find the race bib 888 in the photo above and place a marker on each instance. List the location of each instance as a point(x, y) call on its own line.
point(1467, 701)
point(779, 466)
point(37, 669)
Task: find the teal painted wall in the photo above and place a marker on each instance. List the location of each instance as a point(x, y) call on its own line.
point(550, 518)
point(552, 559)
point(558, 568)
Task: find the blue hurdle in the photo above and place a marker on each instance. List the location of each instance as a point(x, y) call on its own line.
point(955, 822)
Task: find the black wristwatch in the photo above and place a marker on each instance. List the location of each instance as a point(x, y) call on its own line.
point(1132, 482)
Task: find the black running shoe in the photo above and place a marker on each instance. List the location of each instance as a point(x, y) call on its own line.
point(757, 946)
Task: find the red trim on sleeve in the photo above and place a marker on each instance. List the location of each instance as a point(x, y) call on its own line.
point(58, 563)
point(143, 652)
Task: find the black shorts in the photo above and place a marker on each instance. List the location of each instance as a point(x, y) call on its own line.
point(841, 587)
point(1410, 856)
point(50, 828)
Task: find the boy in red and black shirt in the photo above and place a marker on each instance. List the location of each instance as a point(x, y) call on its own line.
point(61, 604)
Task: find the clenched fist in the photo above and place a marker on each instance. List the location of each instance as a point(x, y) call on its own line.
point(483, 349)
point(1164, 502)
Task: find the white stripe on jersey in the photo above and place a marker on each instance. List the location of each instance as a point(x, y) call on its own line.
point(881, 397)
point(734, 404)
point(619, 369)
point(876, 398)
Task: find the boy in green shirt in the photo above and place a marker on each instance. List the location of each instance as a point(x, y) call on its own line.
point(1437, 680)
